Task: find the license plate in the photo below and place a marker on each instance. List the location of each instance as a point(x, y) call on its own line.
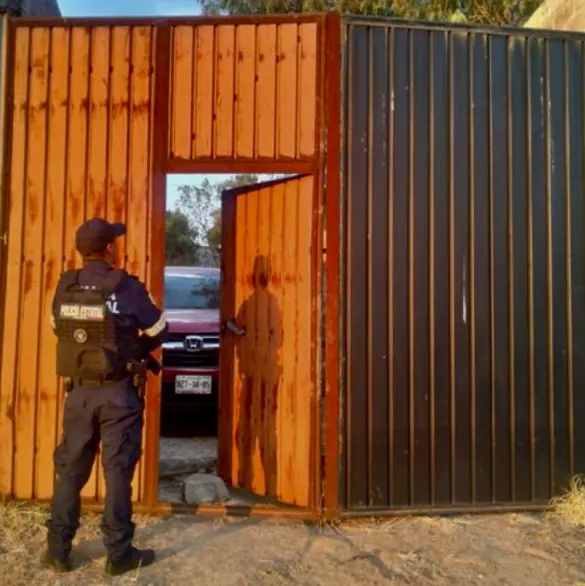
point(190, 384)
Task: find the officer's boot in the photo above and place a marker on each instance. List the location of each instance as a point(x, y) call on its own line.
point(134, 559)
point(61, 565)
point(56, 555)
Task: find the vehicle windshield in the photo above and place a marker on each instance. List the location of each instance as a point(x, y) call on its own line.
point(191, 291)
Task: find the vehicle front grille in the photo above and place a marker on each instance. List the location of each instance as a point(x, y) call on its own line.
point(176, 356)
point(203, 359)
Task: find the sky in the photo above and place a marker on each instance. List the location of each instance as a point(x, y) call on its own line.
point(128, 7)
point(174, 181)
point(142, 8)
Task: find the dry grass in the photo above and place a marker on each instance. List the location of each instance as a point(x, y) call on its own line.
point(569, 508)
point(21, 535)
point(22, 543)
point(19, 524)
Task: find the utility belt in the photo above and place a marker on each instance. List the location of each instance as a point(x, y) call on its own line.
point(96, 382)
point(136, 374)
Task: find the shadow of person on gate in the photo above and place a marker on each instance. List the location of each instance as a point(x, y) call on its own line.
point(260, 369)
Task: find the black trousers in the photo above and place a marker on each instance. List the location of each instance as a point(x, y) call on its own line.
point(114, 414)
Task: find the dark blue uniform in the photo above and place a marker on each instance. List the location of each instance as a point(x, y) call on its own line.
point(110, 411)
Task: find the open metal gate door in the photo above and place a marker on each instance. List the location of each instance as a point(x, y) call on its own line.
point(267, 417)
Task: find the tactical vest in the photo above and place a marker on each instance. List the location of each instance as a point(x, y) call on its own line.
point(92, 343)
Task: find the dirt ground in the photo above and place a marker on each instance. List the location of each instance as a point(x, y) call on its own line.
point(499, 550)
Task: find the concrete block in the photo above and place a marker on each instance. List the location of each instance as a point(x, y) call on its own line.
point(184, 456)
point(178, 466)
point(204, 489)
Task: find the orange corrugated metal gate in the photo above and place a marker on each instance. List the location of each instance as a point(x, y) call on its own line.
point(80, 146)
point(267, 398)
point(97, 114)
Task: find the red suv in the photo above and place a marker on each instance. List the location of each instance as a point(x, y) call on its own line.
point(190, 352)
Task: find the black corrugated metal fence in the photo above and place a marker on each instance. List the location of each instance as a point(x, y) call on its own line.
point(464, 284)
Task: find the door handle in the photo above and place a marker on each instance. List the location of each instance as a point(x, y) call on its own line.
point(231, 326)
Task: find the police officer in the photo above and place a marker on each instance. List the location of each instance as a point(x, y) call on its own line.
point(106, 325)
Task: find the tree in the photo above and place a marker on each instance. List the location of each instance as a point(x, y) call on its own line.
point(197, 203)
point(214, 233)
point(201, 208)
point(201, 205)
point(181, 247)
point(497, 12)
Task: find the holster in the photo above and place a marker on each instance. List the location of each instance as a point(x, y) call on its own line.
point(139, 371)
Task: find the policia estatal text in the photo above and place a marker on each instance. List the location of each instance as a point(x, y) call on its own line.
point(106, 326)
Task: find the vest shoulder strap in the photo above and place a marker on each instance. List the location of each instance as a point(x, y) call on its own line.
point(69, 278)
point(113, 280)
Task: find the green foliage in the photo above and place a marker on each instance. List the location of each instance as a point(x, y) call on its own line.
point(497, 12)
point(214, 233)
point(180, 246)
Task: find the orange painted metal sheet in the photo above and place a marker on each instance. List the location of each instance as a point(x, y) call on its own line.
point(244, 92)
point(81, 110)
point(267, 399)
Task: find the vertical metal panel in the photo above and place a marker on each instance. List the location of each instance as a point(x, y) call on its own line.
point(357, 271)
point(464, 320)
point(245, 92)
point(378, 248)
point(459, 270)
point(501, 456)
point(230, 254)
point(332, 271)
point(537, 169)
point(6, 87)
point(479, 276)
point(518, 206)
point(81, 146)
point(575, 126)
point(156, 236)
point(439, 398)
point(267, 396)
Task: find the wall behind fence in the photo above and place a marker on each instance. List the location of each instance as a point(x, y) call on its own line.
point(568, 15)
point(245, 92)
point(465, 272)
point(80, 146)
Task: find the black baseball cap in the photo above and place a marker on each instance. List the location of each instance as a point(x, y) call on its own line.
point(94, 235)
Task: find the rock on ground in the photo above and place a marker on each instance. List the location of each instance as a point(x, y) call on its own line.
point(204, 489)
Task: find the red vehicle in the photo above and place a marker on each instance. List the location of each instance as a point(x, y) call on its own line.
point(190, 374)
